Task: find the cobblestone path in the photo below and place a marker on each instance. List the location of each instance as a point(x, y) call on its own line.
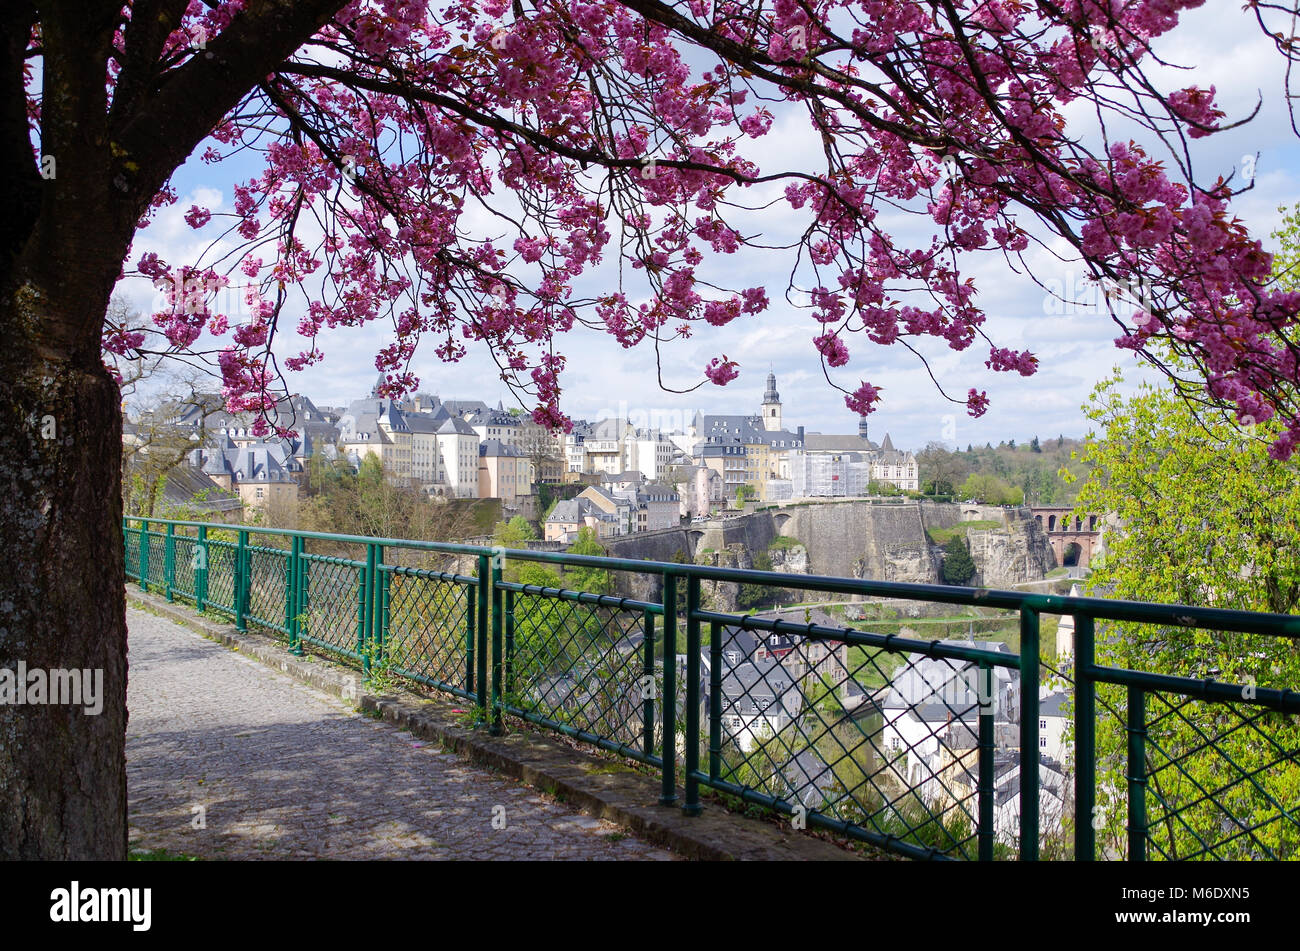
point(230, 759)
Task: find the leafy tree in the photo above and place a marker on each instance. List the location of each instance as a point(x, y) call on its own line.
point(1034, 446)
point(370, 502)
point(511, 535)
point(756, 595)
point(514, 533)
point(1208, 517)
point(390, 129)
point(940, 471)
point(958, 566)
point(593, 580)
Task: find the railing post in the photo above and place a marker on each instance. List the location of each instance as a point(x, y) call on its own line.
point(647, 679)
point(988, 707)
point(1085, 741)
point(365, 644)
point(242, 580)
point(169, 561)
point(144, 555)
point(498, 618)
point(1137, 775)
point(471, 632)
point(294, 596)
point(668, 795)
point(480, 648)
point(379, 588)
point(715, 700)
point(510, 647)
point(692, 805)
point(304, 593)
point(1028, 735)
point(199, 561)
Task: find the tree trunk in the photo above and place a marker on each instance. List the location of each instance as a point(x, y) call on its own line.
point(62, 603)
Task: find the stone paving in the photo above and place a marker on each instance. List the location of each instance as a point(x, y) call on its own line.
point(230, 759)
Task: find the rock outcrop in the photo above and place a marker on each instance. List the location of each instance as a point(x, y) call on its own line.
point(1017, 553)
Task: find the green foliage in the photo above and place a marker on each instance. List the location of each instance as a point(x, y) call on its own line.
point(1208, 518)
point(1006, 476)
point(991, 490)
point(745, 493)
point(783, 543)
point(942, 536)
point(371, 502)
point(754, 595)
point(548, 495)
point(593, 580)
point(958, 566)
point(514, 533)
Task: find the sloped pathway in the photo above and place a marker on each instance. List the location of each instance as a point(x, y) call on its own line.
point(229, 759)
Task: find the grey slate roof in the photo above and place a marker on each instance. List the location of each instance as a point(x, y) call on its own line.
point(818, 442)
point(495, 447)
point(464, 407)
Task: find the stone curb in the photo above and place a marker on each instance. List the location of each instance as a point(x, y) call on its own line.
point(598, 787)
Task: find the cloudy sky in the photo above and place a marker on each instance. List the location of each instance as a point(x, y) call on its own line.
point(1219, 45)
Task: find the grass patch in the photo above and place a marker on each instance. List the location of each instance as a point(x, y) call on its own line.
point(159, 855)
point(783, 543)
point(873, 667)
point(941, 536)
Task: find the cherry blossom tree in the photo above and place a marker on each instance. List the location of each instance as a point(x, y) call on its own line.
point(457, 170)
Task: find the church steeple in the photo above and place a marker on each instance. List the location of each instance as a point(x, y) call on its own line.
point(771, 405)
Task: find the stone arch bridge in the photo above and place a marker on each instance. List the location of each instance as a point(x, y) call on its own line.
point(1073, 539)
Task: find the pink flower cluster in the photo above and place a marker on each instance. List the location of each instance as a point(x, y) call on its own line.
point(617, 146)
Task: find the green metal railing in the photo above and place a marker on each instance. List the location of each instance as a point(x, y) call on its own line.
point(924, 747)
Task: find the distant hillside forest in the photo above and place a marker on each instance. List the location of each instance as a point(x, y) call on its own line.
point(1009, 473)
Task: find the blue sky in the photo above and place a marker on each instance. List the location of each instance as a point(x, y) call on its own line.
point(1219, 45)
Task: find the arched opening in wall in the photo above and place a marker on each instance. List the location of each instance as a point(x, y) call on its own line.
point(1072, 552)
point(1039, 520)
point(1092, 523)
point(780, 519)
point(695, 539)
point(1051, 523)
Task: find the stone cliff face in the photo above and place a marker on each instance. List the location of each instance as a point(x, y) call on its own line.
point(1009, 556)
point(790, 561)
point(861, 540)
point(851, 539)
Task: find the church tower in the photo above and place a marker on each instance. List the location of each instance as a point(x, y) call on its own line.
point(771, 406)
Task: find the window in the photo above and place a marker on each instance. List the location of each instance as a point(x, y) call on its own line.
point(1042, 724)
point(1042, 742)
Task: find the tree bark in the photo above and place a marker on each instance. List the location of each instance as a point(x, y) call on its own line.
point(63, 239)
point(62, 603)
